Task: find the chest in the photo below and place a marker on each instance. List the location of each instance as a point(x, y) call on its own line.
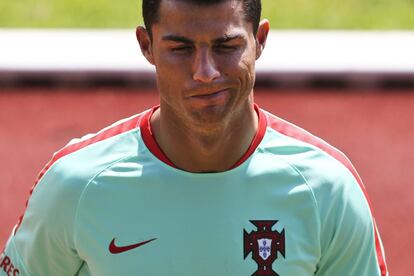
point(235, 226)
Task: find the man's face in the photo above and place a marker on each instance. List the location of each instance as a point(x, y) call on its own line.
point(205, 60)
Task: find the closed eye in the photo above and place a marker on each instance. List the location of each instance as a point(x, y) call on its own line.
point(226, 47)
point(182, 49)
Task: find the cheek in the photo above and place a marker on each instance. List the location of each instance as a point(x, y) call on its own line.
point(246, 74)
point(168, 85)
point(170, 80)
point(240, 66)
point(169, 69)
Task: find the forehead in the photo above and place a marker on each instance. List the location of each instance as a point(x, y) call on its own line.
point(185, 18)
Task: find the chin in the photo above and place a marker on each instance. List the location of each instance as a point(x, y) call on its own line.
point(214, 115)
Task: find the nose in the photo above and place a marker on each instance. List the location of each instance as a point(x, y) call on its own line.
point(205, 69)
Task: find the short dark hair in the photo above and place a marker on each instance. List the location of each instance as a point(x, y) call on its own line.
point(252, 11)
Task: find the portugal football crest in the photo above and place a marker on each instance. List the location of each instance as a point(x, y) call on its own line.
point(264, 244)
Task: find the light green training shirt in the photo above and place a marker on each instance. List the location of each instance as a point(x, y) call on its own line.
point(112, 204)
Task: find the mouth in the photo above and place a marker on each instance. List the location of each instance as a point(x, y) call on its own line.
point(210, 94)
point(211, 98)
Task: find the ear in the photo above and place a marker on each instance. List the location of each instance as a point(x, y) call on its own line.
point(261, 37)
point(145, 43)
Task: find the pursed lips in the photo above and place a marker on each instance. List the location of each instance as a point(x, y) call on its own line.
point(203, 98)
point(208, 94)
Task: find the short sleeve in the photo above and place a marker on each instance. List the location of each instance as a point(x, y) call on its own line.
point(44, 242)
point(348, 236)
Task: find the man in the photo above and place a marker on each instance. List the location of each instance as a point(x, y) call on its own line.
point(207, 183)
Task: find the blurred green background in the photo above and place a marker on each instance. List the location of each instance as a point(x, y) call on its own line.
point(284, 14)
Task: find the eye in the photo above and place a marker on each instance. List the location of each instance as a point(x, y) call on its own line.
point(226, 48)
point(181, 49)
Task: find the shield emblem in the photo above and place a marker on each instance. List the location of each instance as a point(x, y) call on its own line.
point(265, 248)
point(264, 244)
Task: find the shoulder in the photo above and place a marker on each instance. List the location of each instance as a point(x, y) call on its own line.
point(83, 157)
point(312, 156)
point(327, 171)
point(61, 182)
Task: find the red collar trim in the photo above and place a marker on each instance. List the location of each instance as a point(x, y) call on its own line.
point(149, 139)
point(258, 137)
point(155, 149)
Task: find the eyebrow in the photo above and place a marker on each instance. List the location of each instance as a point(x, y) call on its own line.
point(227, 38)
point(177, 38)
point(182, 39)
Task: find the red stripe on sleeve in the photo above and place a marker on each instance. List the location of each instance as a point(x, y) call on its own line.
point(100, 136)
point(293, 131)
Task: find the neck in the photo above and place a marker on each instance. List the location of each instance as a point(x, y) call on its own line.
point(213, 149)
